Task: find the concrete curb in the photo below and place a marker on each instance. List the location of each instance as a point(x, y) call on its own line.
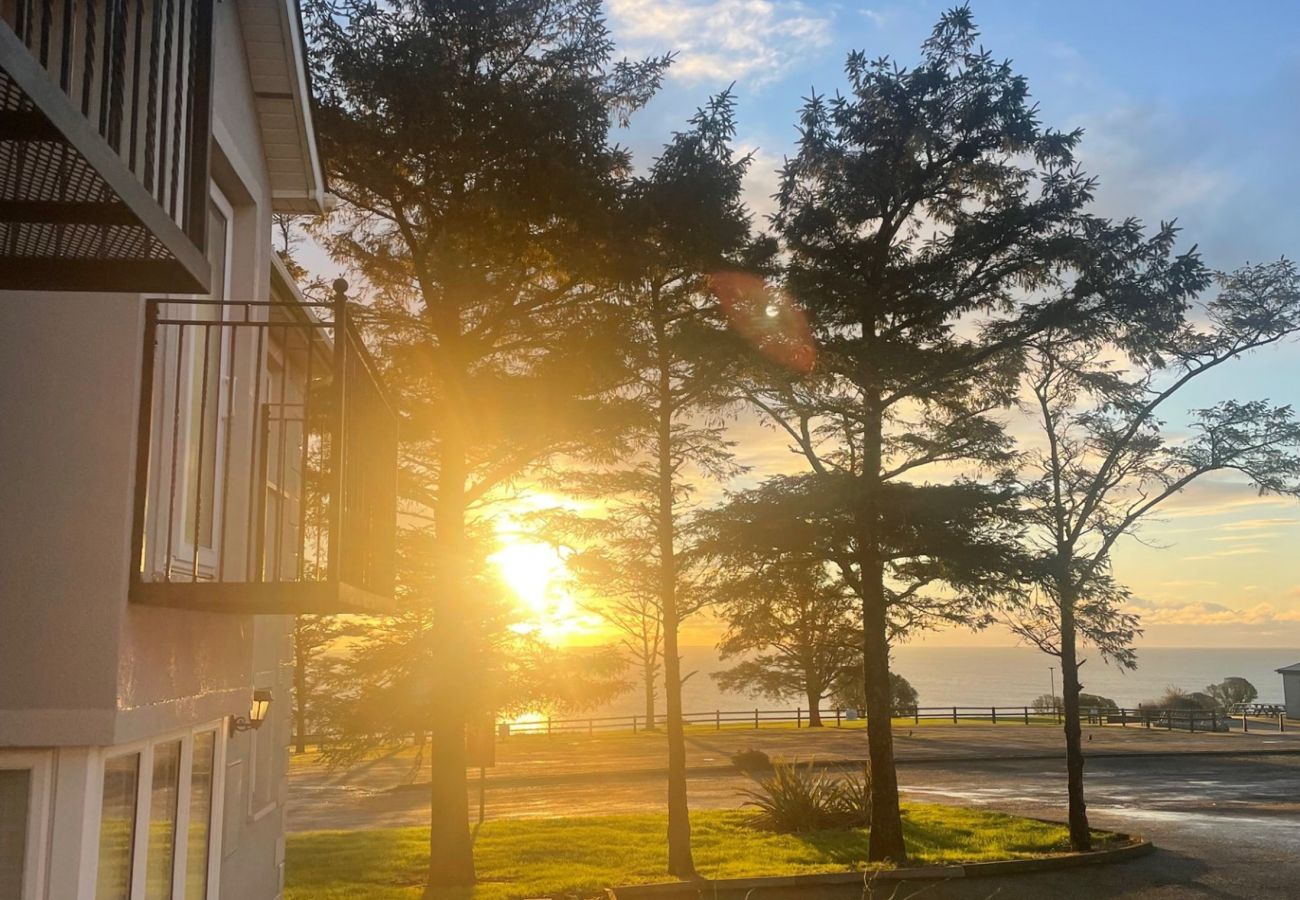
point(730, 886)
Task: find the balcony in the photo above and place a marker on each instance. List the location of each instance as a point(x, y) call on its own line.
point(267, 471)
point(105, 118)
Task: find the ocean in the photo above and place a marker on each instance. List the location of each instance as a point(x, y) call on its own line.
point(1004, 676)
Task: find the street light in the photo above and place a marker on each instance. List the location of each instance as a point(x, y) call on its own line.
point(1051, 674)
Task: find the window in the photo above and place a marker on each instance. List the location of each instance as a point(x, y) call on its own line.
point(15, 804)
point(206, 379)
point(117, 827)
point(200, 825)
point(194, 388)
point(157, 819)
point(160, 855)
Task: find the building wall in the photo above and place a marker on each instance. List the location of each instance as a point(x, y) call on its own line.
point(83, 671)
point(1291, 693)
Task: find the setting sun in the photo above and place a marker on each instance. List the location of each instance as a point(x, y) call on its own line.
point(536, 573)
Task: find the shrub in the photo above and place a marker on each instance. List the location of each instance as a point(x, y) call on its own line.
point(800, 798)
point(849, 692)
point(1231, 691)
point(855, 799)
point(1097, 702)
point(751, 760)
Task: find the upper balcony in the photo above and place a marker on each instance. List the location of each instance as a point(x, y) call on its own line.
point(267, 472)
point(105, 120)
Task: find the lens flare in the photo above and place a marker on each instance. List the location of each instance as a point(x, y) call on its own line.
point(768, 320)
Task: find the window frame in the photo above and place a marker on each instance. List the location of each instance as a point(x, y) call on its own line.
point(144, 788)
point(184, 553)
point(38, 765)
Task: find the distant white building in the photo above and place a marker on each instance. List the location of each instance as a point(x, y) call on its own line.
point(1291, 690)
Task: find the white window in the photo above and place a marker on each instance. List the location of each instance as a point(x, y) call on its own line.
point(206, 379)
point(158, 818)
point(24, 824)
point(194, 387)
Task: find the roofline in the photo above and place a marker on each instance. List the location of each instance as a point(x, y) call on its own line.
point(306, 103)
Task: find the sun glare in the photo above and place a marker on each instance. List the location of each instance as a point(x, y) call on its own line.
point(535, 572)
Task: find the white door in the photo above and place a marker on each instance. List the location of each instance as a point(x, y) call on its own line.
point(205, 385)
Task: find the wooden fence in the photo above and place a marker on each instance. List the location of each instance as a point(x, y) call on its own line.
point(1191, 721)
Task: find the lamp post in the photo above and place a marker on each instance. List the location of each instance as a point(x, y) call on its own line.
point(1051, 674)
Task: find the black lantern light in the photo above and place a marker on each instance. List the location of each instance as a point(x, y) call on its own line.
point(256, 713)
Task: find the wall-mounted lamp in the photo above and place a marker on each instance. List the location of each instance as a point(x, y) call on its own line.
point(256, 713)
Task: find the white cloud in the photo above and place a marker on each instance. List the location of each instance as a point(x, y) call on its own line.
point(1203, 613)
point(720, 41)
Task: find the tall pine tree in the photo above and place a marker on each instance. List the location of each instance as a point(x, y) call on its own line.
point(470, 144)
point(1106, 462)
point(931, 225)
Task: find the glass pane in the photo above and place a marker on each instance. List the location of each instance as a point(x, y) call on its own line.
point(162, 821)
point(206, 349)
point(15, 797)
point(196, 862)
point(117, 827)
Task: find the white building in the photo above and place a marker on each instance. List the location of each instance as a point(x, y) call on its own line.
point(1291, 690)
point(189, 452)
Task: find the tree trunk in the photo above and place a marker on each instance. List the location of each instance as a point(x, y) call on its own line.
point(1080, 836)
point(299, 690)
point(451, 851)
point(680, 861)
point(813, 691)
point(648, 669)
point(886, 842)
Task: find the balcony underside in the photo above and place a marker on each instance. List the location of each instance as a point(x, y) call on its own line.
point(262, 598)
point(73, 216)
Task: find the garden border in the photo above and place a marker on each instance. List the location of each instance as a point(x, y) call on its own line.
point(1137, 847)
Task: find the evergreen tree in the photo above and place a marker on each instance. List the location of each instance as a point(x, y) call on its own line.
point(679, 223)
point(931, 225)
point(797, 628)
point(1107, 462)
point(470, 144)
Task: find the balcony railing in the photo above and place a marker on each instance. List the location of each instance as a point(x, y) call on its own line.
point(105, 120)
point(266, 481)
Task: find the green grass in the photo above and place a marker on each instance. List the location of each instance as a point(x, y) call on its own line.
point(520, 858)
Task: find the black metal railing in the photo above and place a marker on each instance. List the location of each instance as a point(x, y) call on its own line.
point(267, 475)
point(140, 74)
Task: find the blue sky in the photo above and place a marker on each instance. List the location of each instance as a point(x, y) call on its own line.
point(1191, 111)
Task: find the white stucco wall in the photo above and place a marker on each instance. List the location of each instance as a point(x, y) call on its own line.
point(80, 667)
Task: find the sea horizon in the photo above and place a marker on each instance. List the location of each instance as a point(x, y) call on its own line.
point(997, 676)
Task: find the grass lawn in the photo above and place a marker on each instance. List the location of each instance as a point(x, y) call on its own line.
point(520, 858)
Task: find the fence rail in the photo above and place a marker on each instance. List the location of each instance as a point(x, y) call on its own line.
point(1172, 720)
point(1191, 721)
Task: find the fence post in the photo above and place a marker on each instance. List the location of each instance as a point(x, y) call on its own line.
point(1245, 722)
point(1281, 723)
point(591, 727)
point(1191, 722)
point(1026, 715)
point(838, 711)
point(954, 715)
point(634, 724)
point(1123, 718)
point(1214, 721)
point(717, 720)
point(548, 726)
point(756, 720)
point(798, 717)
point(916, 714)
point(994, 711)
